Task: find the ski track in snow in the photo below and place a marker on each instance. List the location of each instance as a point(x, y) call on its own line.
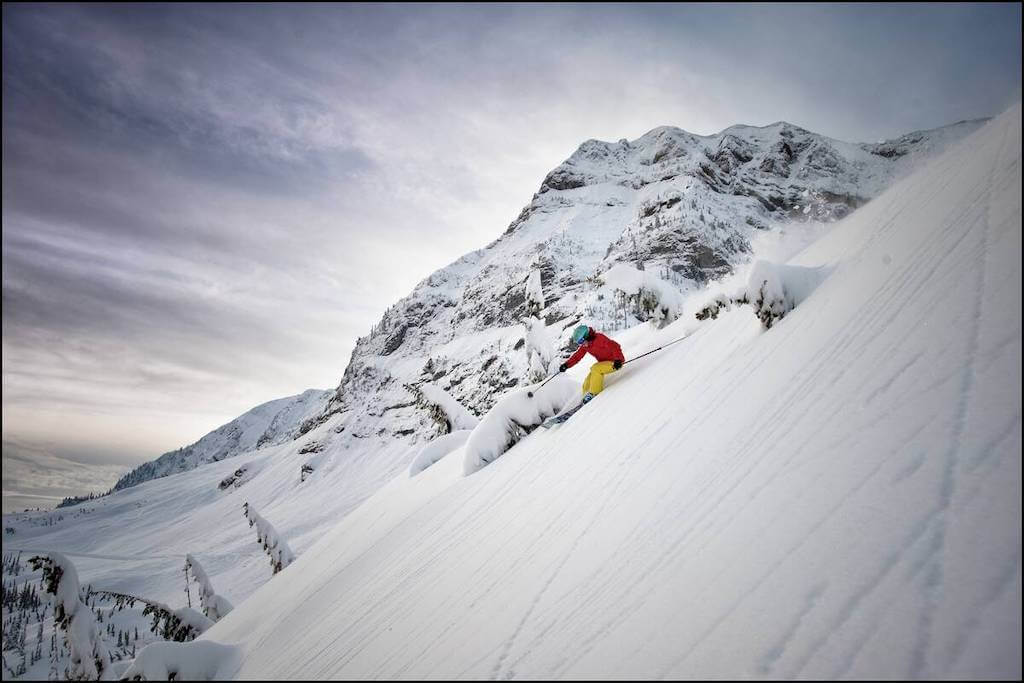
point(956, 455)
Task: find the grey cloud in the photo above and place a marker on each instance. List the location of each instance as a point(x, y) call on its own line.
point(38, 476)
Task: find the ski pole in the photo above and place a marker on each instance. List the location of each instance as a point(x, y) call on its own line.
point(659, 348)
point(530, 393)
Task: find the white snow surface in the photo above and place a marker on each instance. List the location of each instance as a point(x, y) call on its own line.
point(837, 497)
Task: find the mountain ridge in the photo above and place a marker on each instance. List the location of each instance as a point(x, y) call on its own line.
point(269, 423)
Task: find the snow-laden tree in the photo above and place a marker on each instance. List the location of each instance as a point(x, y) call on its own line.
point(276, 547)
point(534, 293)
point(90, 657)
point(214, 606)
point(449, 415)
point(515, 415)
point(772, 289)
point(649, 296)
point(539, 349)
point(178, 624)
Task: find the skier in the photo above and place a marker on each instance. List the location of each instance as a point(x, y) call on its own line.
point(607, 352)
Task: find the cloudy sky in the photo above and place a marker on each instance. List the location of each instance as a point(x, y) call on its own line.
point(204, 206)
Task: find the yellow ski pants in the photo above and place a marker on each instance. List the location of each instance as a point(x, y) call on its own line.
point(594, 382)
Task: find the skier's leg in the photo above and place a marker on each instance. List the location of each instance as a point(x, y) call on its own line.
point(597, 373)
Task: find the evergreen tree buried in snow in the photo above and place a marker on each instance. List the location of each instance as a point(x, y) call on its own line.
point(277, 548)
point(539, 350)
point(214, 606)
point(90, 658)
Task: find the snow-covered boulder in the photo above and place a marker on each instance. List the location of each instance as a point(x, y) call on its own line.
point(515, 415)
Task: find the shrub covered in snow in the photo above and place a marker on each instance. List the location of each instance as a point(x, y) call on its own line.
point(773, 289)
point(276, 547)
point(90, 658)
point(181, 624)
point(203, 660)
point(447, 412)
point(214, 606)
point(650, 297)
point(776, 289)
point(437, 449)
point(514, 416)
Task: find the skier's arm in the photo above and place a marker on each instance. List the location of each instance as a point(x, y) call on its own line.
point(575, 358)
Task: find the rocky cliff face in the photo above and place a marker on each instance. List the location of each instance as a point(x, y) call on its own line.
point(684, 206)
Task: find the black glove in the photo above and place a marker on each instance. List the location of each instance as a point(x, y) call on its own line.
point(563, 367)
point(617, 364)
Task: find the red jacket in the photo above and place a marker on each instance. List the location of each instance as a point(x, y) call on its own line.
point(600, 347)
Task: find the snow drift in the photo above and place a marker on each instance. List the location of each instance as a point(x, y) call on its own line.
point(437, 449)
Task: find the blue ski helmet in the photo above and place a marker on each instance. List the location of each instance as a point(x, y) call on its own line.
point(580, 333)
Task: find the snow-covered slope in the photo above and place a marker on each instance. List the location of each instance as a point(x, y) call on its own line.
point(838, 496)
point(268, 424)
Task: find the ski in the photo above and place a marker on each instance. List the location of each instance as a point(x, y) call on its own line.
point(562, 417)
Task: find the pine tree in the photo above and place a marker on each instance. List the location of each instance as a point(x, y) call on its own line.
point(90, 657)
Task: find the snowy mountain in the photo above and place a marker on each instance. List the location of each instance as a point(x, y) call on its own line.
point(682, 206)
point(609, 203)
point(268, 424)
point(836, 496)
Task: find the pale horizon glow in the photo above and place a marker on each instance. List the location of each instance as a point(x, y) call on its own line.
point(205, 206)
